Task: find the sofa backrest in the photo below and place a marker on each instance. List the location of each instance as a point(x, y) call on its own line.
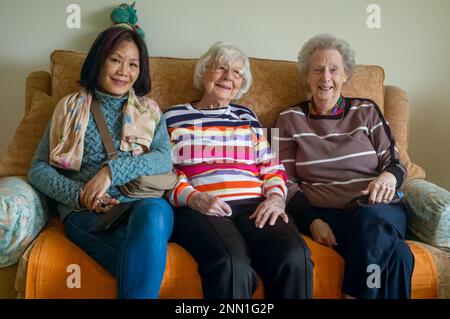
point(276, 84)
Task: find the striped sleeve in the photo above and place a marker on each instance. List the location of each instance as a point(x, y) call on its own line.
point(182, 191)
point(271, 170)
point(383, 142)
point(298, 205)
point(287, 153)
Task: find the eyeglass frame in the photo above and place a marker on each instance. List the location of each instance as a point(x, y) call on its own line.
point(237, 74)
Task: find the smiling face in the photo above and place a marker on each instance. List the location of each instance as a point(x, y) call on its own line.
point(325, 77)
point(222, 83)
point(120, 69)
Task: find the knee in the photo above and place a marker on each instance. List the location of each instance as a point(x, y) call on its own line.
point(233, 265)
point(369, 212)
point(153, 213)
point(370, 225)
point(294, 256)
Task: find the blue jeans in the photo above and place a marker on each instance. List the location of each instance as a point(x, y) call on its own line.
point(134, 252)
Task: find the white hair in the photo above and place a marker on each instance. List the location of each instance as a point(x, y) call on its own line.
point(223, 53)
point(325, 42)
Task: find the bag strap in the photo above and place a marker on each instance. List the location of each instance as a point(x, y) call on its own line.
point(104, 133)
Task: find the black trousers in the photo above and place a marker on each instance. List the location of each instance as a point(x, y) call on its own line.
point(230, 251)
point(370, 238)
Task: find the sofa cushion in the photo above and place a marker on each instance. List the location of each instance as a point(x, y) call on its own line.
point(54, 252)
point(21, 149)
point(441, 262)
point(428, 213)
point(36, 81)
point(22, 217)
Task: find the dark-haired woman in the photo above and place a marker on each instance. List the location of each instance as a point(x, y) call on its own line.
point(71, 165)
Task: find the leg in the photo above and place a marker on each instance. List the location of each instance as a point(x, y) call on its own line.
point(139, 247)
point(105, 248)
point(399, 272)
point(367, 237)
point(220, 251)
point(143, 259)
point(281, 258)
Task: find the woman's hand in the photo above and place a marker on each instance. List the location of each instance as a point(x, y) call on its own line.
point(95, 188)
point(382, 189)
point(322, 233)
point(269, 210)
point(209, 205)
point(105, 203)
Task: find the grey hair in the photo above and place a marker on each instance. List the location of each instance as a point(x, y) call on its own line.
point(223, 53)
point(325, 42)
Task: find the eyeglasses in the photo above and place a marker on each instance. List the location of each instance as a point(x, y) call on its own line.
point(237, 74)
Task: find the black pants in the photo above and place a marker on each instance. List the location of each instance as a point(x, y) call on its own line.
point(230, 251)
point(371, 238)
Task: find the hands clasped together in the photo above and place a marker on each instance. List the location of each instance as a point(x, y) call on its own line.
point(380, 190)
point(267, 212)
point(93, 196)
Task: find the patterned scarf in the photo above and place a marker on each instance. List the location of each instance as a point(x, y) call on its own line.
point(70, 120)
point(336, 110)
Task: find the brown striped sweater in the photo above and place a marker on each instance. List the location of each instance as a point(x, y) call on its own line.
point(330, 159)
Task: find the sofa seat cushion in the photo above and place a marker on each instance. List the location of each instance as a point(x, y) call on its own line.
point(53, 253)
point(51, 261)
point(441, 261)
point(22, 217)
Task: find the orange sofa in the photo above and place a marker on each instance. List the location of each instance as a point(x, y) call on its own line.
point(44, 270)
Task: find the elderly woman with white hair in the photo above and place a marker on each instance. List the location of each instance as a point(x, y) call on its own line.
point(230, 196)
point(343, 174)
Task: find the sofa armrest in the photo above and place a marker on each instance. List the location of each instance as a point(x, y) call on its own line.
point(396, 111)
point(428, 208)
point(7, 277)
point(36, 81)
point(23, 214)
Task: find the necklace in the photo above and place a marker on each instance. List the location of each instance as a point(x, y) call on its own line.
point(332, 131)
point(207, 112)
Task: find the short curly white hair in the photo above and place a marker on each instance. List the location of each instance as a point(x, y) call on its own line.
point(325, 42)
point(223, 53)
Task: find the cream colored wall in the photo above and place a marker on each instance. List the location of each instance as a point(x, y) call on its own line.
point(412, 45)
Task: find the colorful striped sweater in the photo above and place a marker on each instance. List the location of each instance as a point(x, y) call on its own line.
point(222, 152)
point(331, 159)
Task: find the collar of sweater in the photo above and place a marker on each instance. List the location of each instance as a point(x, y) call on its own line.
point(108, 101)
